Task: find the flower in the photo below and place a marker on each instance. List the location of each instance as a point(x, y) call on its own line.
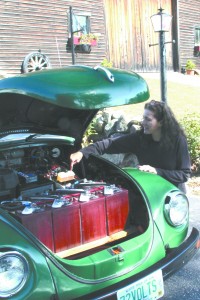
point(88, 38)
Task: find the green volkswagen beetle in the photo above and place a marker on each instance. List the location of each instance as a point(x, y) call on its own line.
point(65, 234)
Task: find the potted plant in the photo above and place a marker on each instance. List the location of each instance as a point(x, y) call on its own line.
point(190, 66)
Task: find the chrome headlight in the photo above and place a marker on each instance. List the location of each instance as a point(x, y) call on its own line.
point(13, 273)
point(176, 208)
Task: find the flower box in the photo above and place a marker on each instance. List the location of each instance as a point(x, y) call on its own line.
point(93, 42)
point(76, 40)
point(85, 39)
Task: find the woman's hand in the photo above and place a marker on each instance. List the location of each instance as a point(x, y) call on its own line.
point(76, 157)
point(147, 168)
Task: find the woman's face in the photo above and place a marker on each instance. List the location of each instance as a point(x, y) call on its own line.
point(150, 124)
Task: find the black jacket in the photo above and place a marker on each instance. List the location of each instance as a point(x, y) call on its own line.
point(171, 163)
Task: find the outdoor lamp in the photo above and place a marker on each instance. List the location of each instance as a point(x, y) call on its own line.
point(161, 23)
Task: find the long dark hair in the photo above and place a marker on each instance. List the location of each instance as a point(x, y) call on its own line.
point(170, 127)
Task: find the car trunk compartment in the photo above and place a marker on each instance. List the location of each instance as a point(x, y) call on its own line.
point(77, 218)
point(79, 226)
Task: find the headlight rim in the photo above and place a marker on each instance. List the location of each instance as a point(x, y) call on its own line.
point(174, 194)
point(25, 276)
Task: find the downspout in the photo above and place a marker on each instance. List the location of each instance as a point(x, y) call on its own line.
point(175, 36)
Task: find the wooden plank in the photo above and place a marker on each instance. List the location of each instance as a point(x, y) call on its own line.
point(27, 26)
point(125, 28)
point(129, 32)
point(189, 17)
point(91, 245)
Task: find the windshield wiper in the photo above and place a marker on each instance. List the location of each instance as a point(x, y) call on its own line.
point(31, 137)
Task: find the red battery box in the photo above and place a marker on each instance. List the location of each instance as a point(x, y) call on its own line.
point(117, 207)
point(67, 226)
point(40, 224)
point(93, 217)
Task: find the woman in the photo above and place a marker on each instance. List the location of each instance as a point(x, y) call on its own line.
point(160, 145)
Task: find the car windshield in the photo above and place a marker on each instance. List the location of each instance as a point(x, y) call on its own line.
point(33, 136)
point(14, 137)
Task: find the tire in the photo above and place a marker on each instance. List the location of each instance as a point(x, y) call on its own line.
point(35, 61)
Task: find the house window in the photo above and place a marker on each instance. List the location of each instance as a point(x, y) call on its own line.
point(81, 30)
point(197, 41)
point(197, 36)
point(81, 23)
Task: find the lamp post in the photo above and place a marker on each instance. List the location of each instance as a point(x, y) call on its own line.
point(161, 23)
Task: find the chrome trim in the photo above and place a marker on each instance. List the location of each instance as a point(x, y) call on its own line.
point(26, 272)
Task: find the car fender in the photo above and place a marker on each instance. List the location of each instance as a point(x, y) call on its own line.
point(155, 189)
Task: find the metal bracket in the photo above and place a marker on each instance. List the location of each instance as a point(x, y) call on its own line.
point(109, 75)
point(170, 42)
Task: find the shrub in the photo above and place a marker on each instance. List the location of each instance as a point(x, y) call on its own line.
point(191, 125)
point(106, 63)
point(91, 131)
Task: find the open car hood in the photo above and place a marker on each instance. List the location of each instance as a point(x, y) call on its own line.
point(64, 101)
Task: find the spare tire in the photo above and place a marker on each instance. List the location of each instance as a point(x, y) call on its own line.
point(35, 61)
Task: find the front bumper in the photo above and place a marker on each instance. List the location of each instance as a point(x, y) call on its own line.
point(173, 261)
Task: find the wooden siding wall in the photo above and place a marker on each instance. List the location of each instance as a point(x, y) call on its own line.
point(29, 25)
point(189, 17)
point(130, 31)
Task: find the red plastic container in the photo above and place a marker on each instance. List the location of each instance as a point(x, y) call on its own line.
point(93, 219)
point(66, 227)
point(117, 206)
point(40, 224)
